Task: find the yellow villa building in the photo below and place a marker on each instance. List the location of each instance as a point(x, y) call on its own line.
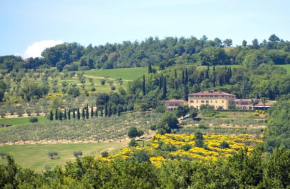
point(218, 99)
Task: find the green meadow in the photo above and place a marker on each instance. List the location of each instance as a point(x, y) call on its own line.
point(35, 156)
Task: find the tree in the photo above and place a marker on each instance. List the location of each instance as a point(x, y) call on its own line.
point(193, 113)
point(133, 143)
point(68, 114)
point(56, 114)
point(33, 120)
point(143, 86)
point(264, 100)
point(87, 112)
point(105, 154)
point(133, 132)
point(244, 43)
point(274, 38)
point(141, 156)
point(92, 111)
point(164, 89)
point(83, 114)
point(181, 111)
point(224, 145)
point(149, 68)
point(52, 154)
point(51, 116)
point(255, 44)
point(77, 154)
point(78, 114)
point(3, 155)
point(198, 137)
point(228, 42)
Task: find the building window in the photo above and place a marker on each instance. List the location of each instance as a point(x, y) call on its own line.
point(211, 96)
point(197, 95)
point(191, 101)
point(206, 101)
point(216, 101)
point(216, 96)
point(197, 107)
point(202, 95)
point(222, 95)
point(211, 101)
point(202, 101)
point(206, 95)
point(222, 101)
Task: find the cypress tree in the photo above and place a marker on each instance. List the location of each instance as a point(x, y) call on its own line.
point(106, 110)
point(83, 113)
point(160, 82)
point(213, 79)
point(164, 88)
point(92, 111)
point(68, 114)
point(97, 114)
point(206, 74)
point(186, 76)
point(51, 116)
point(119, 110)
point(175, 73)
point(185, 93)
point(74, 113)
point(149, 68)
point(110, 111)
point(143, 86)
point(182, 77)
point(64, 115)
point(87, 112)
point(213, 69)
point(56, 114)
point(101, 113)
point(78, 114)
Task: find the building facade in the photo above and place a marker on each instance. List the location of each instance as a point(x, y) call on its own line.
point(218, 99)
point(245, 104)
point(173, 104)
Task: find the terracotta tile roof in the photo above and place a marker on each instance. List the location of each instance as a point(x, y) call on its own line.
point(266, 104)
point(175, 101)
point(212, 92)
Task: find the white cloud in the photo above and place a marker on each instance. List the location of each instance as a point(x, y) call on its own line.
point(37, 47)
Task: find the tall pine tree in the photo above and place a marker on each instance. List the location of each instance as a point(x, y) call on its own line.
point(68, 114)
point(78, 114)
point(149, 68)
point(106, 110)
point(83, 114)
point(64, 115)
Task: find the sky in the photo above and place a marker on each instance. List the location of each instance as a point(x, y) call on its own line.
point(28, 27)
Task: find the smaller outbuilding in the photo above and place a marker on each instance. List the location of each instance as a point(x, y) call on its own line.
point(174, 103)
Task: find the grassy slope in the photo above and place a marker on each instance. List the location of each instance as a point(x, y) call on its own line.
point(34, 156)
point(21, 120)
point(124, 73)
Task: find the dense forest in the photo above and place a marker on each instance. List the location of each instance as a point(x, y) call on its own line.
point(155, 51)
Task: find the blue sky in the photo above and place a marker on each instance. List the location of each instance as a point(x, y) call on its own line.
point(27, 27)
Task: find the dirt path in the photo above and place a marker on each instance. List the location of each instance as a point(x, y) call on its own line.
point(95, 77)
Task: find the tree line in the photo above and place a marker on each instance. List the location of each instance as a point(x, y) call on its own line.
point(154, 51)
point(239, 171)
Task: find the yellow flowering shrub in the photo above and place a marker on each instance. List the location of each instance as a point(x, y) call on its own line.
point(211, 150)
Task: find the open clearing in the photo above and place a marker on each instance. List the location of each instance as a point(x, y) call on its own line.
point(124, 73)
point(35, 156)
point(21, 120)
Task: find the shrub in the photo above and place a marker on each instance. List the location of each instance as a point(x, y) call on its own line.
point(224, 144)
point(33, 120)
point(133, 143)
point(186, 147)
point(103, 81)
point(3, 155)
point(52, 154)
point(77, 154)
point(105, 154)
point(202, 126)
point(113, 88)
point(141, 156)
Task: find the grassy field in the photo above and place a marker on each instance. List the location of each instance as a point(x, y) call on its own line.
point(35, 156)
point(21, 120)
point(124, 73)
point(287, 67)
